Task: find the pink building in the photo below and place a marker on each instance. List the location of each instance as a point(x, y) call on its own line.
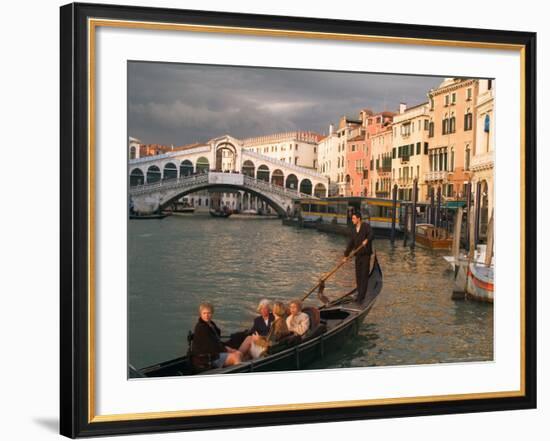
point(359, 152)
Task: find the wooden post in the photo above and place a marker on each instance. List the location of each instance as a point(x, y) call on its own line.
point(432, 206)
point(490, 241)
point(413, 217)
point(477, 210)
point(471, 227)
point(468, 210)
point(456, 234)
point(437, 222)
point(394, 215)
point(406, 225)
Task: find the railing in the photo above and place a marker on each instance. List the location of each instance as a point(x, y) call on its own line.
point(190, 181)
point(483, 161)
point(277, 189)
point(182, 181)
point(303, 170)
point(173, 154)
point(436, 175)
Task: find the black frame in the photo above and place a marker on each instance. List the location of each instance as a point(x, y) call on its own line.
point(74, 219)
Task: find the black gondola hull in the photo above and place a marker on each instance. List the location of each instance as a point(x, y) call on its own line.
point(342, 320)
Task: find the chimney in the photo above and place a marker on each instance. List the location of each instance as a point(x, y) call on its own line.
point(330, 129)
point(402, 108)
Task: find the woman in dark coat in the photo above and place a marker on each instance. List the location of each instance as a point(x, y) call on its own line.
point(207, 349)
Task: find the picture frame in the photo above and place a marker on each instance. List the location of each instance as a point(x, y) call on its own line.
point(80, 178)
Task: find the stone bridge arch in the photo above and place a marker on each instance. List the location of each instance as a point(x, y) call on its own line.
point(278, 206)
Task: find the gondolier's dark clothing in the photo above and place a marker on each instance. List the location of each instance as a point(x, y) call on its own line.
point(260, 326)
point(362, 258)
point(206, 339)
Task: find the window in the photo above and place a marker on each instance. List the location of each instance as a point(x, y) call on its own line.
point(452, 167)
point(431, 129)
point(394, 153)
point(452, 124)
point(450, 190)
point(453, 98)
point(468, 120)
point(296, 160)
point(426, 124)
point(426, 145)
point(487, 124)
point(446, 100)
point(469, 94)
point(445, 126)
point(132, 152)
point(489, 84)
point(418, 148)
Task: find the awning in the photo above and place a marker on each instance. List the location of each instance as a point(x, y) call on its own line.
point(453, 205)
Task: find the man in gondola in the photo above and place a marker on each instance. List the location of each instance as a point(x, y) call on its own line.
point(361, 234)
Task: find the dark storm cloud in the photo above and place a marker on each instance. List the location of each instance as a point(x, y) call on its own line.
point(180, 103)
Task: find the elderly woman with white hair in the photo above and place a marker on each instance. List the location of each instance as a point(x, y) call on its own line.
point(260, 328)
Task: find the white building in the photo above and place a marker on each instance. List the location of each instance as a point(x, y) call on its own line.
point(133, 148)
point(483, 159)
point(332, 153)
point(297, 148)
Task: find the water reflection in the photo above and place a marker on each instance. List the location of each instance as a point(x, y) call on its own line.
point(179, 261)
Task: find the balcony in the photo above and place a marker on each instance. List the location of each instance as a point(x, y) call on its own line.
point(484, 161)
point(436, 176)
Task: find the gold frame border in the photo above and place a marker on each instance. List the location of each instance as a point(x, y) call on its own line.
point(92, 25)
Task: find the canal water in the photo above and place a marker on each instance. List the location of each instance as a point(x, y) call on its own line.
point(177, 262)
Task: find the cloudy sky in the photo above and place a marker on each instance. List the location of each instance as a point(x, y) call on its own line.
point(184, 103)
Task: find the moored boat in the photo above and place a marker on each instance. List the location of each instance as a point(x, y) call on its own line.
point(149, 216)
point(435, 238)
point(332, 325)
point(220, 213)
point(480, 285)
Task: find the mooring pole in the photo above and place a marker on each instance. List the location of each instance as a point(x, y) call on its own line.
point(477, 211)
point(468, 210)
point(437, 222)
point(414, 200)
point(394, 212)
point(406, 225)
point(432, 206)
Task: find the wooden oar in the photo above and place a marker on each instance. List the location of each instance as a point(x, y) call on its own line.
point(336, 268)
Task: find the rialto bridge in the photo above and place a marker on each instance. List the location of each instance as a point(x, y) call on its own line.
point(220, 165)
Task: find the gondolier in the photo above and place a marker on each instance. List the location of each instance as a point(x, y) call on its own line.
point(361, 233)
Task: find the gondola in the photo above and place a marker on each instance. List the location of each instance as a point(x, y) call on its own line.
point(220, 213)
point(336, 323)
point(149, 216)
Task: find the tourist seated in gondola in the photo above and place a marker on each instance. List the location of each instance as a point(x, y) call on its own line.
point(207, 349)
point(298, 321)
point(256, 345)
point(262, 323)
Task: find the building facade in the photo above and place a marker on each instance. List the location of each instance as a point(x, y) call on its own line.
point(451, 133)
point(298, 148)
point(410, 159)
point(483, 160)
point(380, 164)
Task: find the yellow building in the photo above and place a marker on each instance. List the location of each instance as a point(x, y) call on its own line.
point(410, 159)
